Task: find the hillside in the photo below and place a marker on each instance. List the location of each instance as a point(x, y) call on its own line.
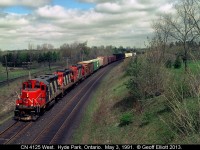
point(113, 117)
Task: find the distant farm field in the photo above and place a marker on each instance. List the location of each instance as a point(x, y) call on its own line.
point(18, 72)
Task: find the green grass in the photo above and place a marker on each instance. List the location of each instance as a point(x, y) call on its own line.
point(21, 72)
point(193, 67)
point(185, 116)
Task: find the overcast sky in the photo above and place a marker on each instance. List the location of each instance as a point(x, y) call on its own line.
point(99, 22)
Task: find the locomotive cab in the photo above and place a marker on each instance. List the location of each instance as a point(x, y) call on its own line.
point(31, 99)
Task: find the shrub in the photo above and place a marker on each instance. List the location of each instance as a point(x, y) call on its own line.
point(184, 105)
point(147, 117)
point(147, 79)
point(177, 63)
point(126, 119)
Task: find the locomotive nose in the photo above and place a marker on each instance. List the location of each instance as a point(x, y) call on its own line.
point(28, 97)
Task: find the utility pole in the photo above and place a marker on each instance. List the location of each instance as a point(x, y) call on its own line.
point(67, 62)
point(7, 70)
point(29, 74)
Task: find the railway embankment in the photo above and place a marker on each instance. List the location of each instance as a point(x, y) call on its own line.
point(113, 117)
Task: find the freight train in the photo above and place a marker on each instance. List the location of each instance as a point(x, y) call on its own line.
point(40, 93)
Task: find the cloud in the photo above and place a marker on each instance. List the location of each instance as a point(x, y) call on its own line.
point(51, 12)
point(97, 1)
point(124, 6)
point(110, 22)
point(94, 26)
point(12, 20)
point(26, 3)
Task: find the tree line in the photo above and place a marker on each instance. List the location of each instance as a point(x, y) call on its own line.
point(73, 53)
point(19, 58)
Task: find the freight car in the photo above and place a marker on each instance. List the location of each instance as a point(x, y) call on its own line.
point(128, 55)
point(41, 92)
point(103, 60)
point(89, 67)
point(95, 63)
point(119, 56)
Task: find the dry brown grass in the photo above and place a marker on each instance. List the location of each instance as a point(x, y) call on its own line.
point(8, 96)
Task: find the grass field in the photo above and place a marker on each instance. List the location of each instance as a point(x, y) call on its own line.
point(193, 67)
point(14, 73)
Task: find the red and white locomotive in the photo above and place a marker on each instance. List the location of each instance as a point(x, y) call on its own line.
point(36, 95)
point(41, 92)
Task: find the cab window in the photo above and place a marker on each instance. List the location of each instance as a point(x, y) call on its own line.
point(37, 85)
point(24, 86)
point(42, 88)
point(29, 85)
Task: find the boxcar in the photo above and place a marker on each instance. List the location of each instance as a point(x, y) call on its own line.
point(100, 61)
point(111, 59)
point(95, 63)
point(89, 67)
point(105, 60)
point(128, 55)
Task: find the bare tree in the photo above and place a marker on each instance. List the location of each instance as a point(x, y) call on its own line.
point(160, 40)
point(194, 15)
point(181, 26)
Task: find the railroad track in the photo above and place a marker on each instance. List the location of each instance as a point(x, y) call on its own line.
point(10, 133)
point(53, 129)
point(53, 133)
point(59, 134)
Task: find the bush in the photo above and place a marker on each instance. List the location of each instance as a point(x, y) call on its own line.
point(185, 106)
point(147, 79)
point(126, 119)
point(146, 118)
point(177, 63)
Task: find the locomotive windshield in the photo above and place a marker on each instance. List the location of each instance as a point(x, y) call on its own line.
point(31, 84)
